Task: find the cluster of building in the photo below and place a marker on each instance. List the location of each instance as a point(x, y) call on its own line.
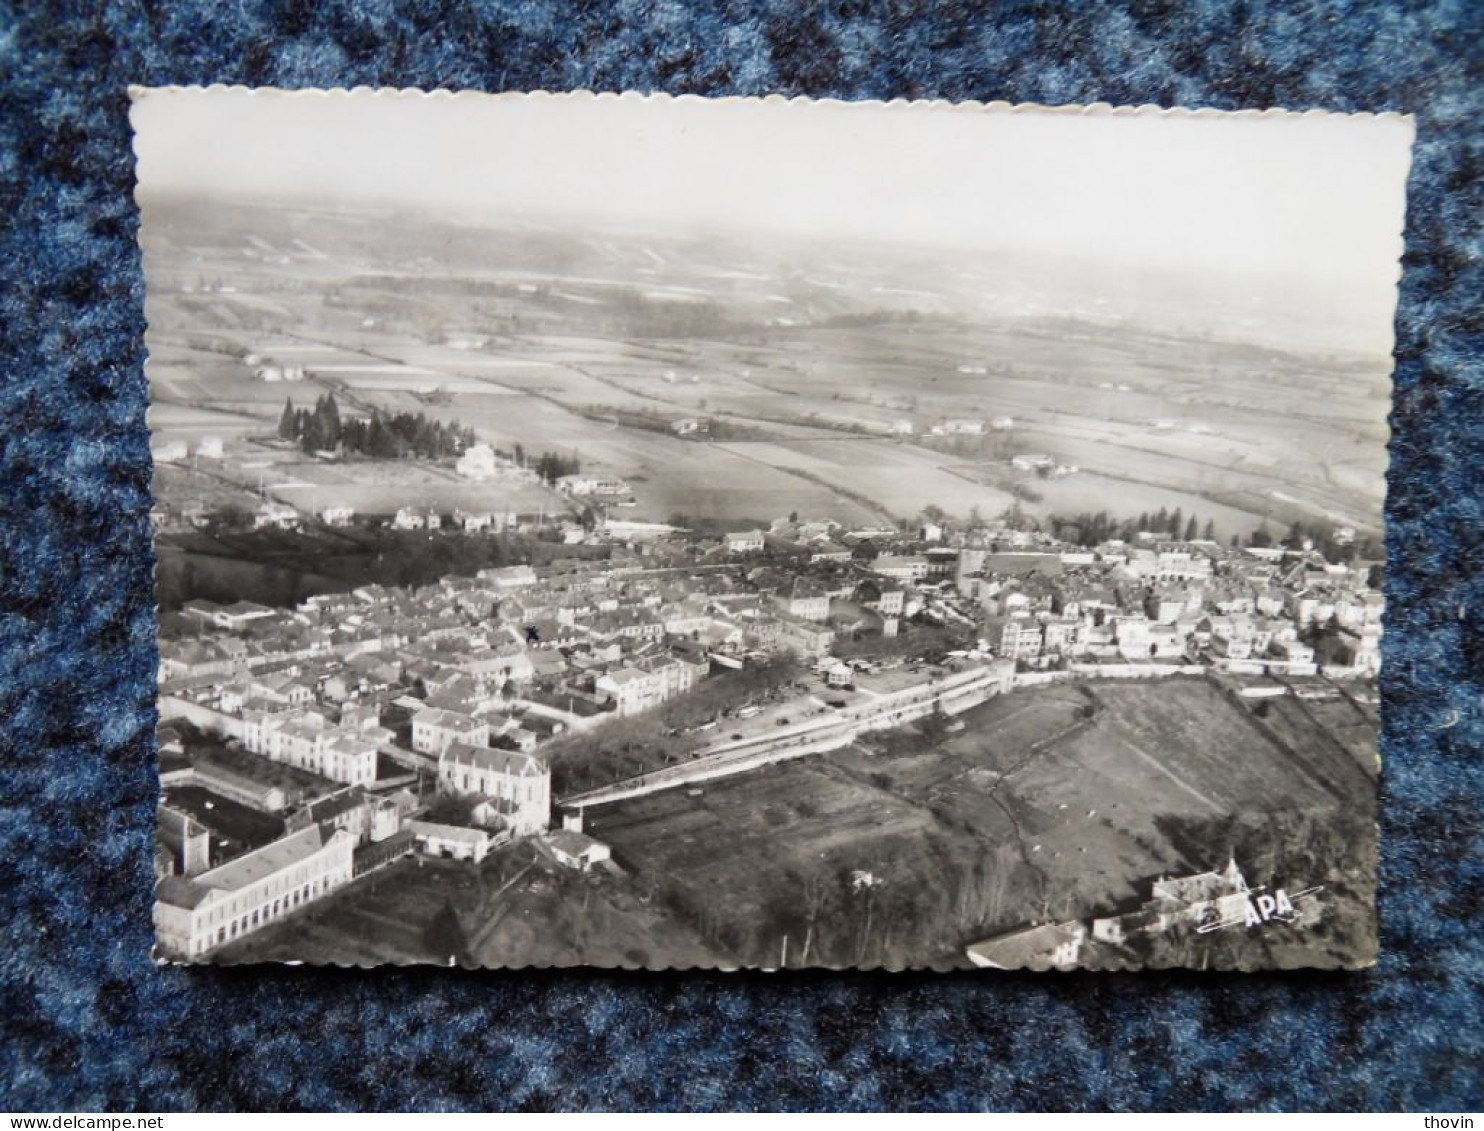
point(1254, 611)
point(396, 700)
point(453, 687)
point(178, 451)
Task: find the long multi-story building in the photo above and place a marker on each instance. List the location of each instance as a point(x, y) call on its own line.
point(305, 741)
point(195, 915)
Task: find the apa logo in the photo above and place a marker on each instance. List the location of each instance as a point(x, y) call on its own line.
point(1264, 908)
point(1257, 908)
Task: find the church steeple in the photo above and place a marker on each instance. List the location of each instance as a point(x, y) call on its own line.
point(1233, 874)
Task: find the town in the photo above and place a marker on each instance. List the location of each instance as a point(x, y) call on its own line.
point(305, 750)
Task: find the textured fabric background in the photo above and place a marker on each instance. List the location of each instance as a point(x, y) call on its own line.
point(86, 1021)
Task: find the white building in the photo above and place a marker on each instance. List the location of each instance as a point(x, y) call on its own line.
point(478, 463)
point(476, 523)
point(1032, 462)
point(744, 542)
point(577, 850)
point(1056, 946)
point(519, 783)
point(454, 842)
point(912, 567)
point(960, 426)
point(582, 486)
point(434, 731)
point(647, 683)
point(509, 577)
point(304, 740)
point(272, 374)
point(192, 916)
point(276, 516)
point(337, 516)
point(409, 518)
point(1180, 561)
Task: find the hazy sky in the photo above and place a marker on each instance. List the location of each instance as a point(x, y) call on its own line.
point(1310, 198)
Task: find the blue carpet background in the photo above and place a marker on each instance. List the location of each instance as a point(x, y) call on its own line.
point(87, 1022)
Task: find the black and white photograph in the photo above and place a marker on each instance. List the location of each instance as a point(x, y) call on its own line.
point(658, 533)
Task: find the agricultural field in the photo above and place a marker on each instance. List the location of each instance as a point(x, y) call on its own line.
point(1059, 800)
point(896, 476)
point(543, 338)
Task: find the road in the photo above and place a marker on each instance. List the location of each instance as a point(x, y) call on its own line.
point(949, 693)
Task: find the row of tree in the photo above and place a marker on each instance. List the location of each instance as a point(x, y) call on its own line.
point(1095, 528)
point(1090, 528)
point(381, 435)
point(551, 466)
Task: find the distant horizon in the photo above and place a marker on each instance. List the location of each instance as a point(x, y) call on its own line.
point(1300, 202)
point(565, 225)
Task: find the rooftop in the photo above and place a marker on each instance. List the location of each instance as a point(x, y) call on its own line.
point(1027, 948)
point(448, 720)
point(266, 861)
point(502, 761)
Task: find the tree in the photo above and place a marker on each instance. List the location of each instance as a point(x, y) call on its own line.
point(288, 422)
point(331, 421)
point(444, 935)
point(380, 441)
point(1191, 529)
point(1209, 533)
point(1015, 518)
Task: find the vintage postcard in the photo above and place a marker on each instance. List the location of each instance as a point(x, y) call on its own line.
point(666, 532)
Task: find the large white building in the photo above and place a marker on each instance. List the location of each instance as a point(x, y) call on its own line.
point(243, 895)
point(516, 782)
point(647, 683)
point(306, 741)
